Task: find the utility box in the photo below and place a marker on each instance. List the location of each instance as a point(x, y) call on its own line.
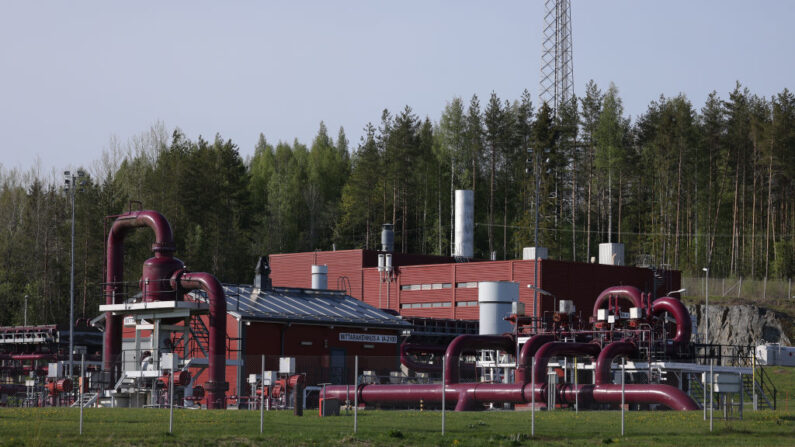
point(169, 361)
point(566, 307)
point(533, 253)
point(329, 407)
point(517, 307)
point(287, 365)
point(55, 370)
point(775, 354)
point(635, 313)
point(601, 314)
point(269, 378)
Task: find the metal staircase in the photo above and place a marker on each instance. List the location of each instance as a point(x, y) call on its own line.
point(765, 391)
point(87, 399)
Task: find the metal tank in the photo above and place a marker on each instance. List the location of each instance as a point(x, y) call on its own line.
point(495, 299)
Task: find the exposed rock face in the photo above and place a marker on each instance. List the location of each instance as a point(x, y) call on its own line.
point(740, 325)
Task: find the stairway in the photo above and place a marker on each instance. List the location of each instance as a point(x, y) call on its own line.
point(764, 393)
point(87, 400)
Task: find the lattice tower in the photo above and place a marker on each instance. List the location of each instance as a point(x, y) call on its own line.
point(557, 68)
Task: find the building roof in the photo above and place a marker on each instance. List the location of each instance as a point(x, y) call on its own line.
point(306, 306)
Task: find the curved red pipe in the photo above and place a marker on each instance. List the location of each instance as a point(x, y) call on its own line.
point(628, 292)
point(163, 246)
point(464, 343)
point(559, 348)
point(216, 386)
point(680, 314)
point(529, 349)
point(667, 395)
point(604, 362)
point(405, 356)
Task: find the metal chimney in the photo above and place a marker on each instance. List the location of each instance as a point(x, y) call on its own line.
point(387, 238)
point(320, 277)
point(262, 274)
point(464, 223)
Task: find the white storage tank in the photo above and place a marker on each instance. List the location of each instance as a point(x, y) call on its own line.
point(320, 277)
point(495, 299)
point(532, 253)
point(611, 254)
point(464, 223)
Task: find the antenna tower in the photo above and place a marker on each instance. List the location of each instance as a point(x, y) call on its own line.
point(557, 69)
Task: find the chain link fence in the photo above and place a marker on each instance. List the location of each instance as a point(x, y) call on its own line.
point(741, 287)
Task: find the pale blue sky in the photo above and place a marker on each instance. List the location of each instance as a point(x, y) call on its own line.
point(73, 74)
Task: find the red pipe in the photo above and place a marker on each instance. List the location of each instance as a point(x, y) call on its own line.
point(471, 396)
point(32, 356)
point(405, 356)
point(216, 386)
point(680, 314)
point(559, 348)
point(604, 362)
point(529, 349)
point(667, 395)
point(464, 343)
point(163, 247)
point(628, 292)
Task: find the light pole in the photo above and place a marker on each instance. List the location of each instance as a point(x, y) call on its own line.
point(25, 315)
point(706, 306)
point(71, 187)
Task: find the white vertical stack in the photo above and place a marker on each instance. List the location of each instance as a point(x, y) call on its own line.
point(464, 223)
point(320, 277)
point(611, 254)
point(495, 299)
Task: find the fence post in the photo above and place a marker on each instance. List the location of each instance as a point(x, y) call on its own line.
point(356, 394)
point(532, 397)
point(171, 400)
point(262, 395)
point(623, 367)
point(576, 389)
point(82, 379)
point(444, 386)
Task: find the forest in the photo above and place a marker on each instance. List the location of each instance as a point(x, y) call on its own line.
point(682, 186)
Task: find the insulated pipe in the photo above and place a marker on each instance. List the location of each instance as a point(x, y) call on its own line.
point(216, 386)
point(680, 314)
point(667, 395)
point(32, 356)
point(529, 349)
point(604, 362)
point(559, 348)
point(163, 247)
point(471, 396)
point(631, 293)
point(405, 359)
point(464, 343)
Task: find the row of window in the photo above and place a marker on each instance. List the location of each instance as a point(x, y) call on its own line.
point(425, 305)
point(438, 304)
point(440, 285)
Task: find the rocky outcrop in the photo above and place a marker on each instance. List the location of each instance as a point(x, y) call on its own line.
point(740, 324)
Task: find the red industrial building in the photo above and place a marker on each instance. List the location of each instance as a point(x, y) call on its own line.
point(440, 287)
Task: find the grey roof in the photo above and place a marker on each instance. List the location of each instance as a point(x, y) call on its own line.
point(306, 306)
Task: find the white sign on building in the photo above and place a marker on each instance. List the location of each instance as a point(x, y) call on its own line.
point(368, 338)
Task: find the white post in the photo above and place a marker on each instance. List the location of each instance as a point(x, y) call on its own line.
point(532, 397)
point(711, 388)
point(171, 400)
point(444, 386)
point(82, 380)
point(576, 389)
point(623, 367)
point(262, 396)
point(356, 394)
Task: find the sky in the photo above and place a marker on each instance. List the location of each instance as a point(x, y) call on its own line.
point(75, 76)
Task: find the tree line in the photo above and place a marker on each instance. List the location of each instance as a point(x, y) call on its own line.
point(681, 187)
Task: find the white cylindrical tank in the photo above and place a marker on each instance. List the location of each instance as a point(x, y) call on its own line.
point(495, 299)
point(464, 223)
point(531, 253)
point(611, 254)
point(320, 277)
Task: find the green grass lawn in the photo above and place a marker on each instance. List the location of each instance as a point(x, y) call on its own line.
point(123, 427)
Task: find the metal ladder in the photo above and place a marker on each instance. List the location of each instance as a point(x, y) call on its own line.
point(87, 400)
